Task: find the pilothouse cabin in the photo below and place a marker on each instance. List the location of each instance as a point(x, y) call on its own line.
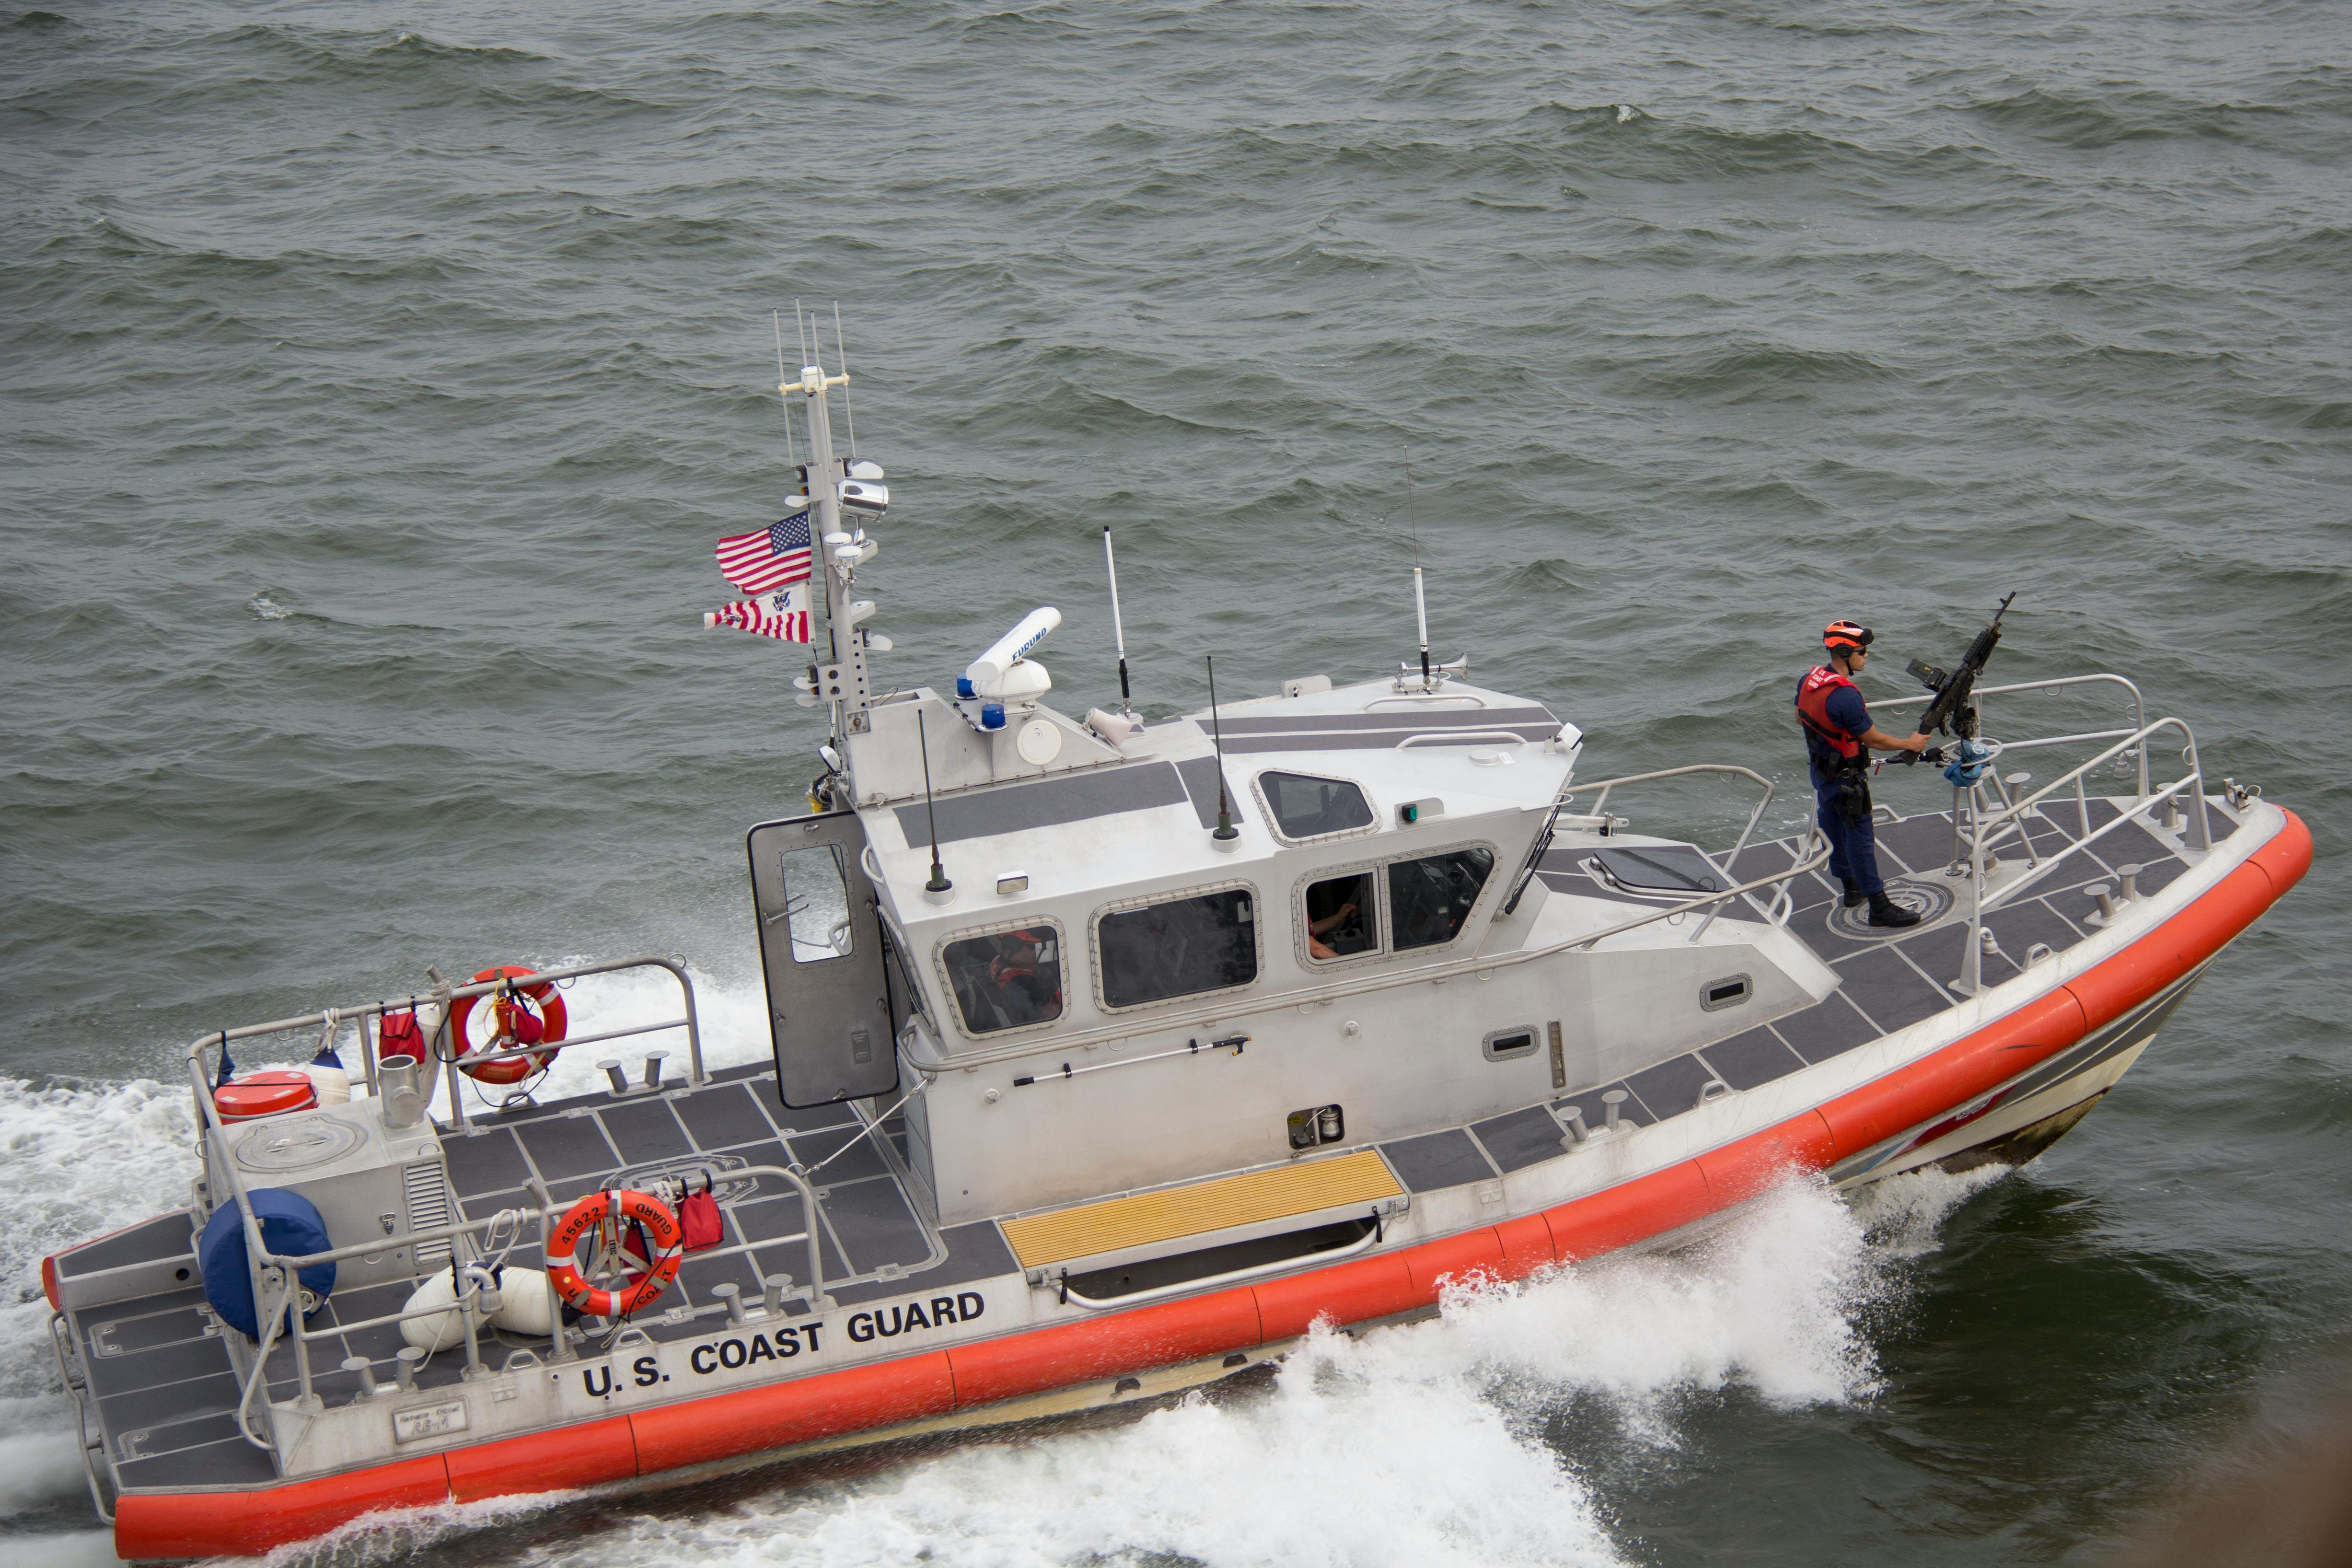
point(1328, 961)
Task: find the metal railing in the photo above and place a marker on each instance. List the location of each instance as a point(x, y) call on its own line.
point(275, 1277)
point(278, 1281)
point(2058, 683)
point(1986, 818)
point(444, 1050)
point(78, 1388)
point(1775, 914)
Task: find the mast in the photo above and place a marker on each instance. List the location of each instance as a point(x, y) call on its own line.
point(839, 679)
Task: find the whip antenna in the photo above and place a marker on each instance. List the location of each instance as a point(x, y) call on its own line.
point(1420, 601)
point(1227, 833)
point(792, 454)
point(1118, 632)
point(1420, 614)
point(939, 882)
point(841, 352)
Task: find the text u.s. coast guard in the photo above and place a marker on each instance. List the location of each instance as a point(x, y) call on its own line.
point(738, 1351)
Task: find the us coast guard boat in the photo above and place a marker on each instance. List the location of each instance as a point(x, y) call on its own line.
point(1110, 1056)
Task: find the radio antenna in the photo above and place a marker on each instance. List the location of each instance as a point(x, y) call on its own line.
point(841, 352)
point(1227, 833)
point(799, 331)
point(1118, 631)
point(939, 882)
point(1420, 600)
point(792, 453)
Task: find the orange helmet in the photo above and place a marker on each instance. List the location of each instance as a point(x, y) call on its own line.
point(1846, 636)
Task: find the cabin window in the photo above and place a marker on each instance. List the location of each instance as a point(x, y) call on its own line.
point(1007, 979)
point(816, 903)
point(1307, 807)
point(1342, 918)
point(1431, 897)
point(1178, 948)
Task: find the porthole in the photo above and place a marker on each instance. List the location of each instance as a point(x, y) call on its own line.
point(1728, 992)
point(1509, 1044)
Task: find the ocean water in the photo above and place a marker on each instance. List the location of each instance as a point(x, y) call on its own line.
point(376, 379)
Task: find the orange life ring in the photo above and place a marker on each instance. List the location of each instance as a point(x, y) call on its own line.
point(603, 1213)
point(519, 1015)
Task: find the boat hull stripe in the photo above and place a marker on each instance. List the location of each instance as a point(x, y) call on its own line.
point(779, 1414)
point(557, 1460)
point(750, 1421)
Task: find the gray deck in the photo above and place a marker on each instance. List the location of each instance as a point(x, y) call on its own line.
point(1890, 980)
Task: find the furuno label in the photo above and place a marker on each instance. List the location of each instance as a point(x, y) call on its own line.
point(739, 1353)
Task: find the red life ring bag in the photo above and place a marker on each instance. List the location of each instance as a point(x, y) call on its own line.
point(602, 1214)
point(518, 1016)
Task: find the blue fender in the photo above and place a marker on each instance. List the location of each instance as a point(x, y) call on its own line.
point(290, 1226)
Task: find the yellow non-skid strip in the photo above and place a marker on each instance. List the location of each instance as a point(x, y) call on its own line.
point(1145, 1218)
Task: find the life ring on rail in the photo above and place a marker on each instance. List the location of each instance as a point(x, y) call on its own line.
point(603, 1214)
point(519, 1015)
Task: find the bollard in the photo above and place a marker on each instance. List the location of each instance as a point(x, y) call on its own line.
point(612, 1073)
point(367, 1370)
point(2129, 875)
point(1613, 1103)
point(732, 1294)
point(405, 1369)
point(2107, 897)
point(653, 1060)
point(772, 1292)
point(1577, 1130)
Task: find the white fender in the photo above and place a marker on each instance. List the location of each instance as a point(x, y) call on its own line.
point(527, 1307)
point(331, 1082)
point(441, 1330)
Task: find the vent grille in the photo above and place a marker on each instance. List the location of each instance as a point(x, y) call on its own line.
point(428, 1209)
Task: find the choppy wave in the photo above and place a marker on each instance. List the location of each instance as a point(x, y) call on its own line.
point(1697, 327)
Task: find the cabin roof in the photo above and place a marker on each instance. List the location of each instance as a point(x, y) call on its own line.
point(1476, 761)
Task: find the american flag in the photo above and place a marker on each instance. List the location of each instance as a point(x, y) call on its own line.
point(763, 562)
point(782, 616)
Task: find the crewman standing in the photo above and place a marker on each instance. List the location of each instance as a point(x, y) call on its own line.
point(1838, 739)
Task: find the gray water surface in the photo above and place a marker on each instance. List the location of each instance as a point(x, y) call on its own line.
point(376, 380)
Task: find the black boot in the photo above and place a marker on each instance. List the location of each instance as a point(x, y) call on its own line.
point(1852, 894)
point(1885, 912)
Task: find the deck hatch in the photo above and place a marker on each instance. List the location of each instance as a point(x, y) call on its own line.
point(1171, 1214)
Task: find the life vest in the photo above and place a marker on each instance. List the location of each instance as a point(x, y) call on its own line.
point(1814, 712)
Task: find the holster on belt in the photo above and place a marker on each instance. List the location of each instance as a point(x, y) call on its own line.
point(1854, 796)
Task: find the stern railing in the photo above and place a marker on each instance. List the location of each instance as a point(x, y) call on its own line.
point(275, 1277)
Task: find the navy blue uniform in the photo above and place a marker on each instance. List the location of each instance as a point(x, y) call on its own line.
point(1853, 845)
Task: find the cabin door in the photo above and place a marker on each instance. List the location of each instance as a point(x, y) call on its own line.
point(821, 948)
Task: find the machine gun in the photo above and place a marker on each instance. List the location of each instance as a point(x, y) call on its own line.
point(1954, 711)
